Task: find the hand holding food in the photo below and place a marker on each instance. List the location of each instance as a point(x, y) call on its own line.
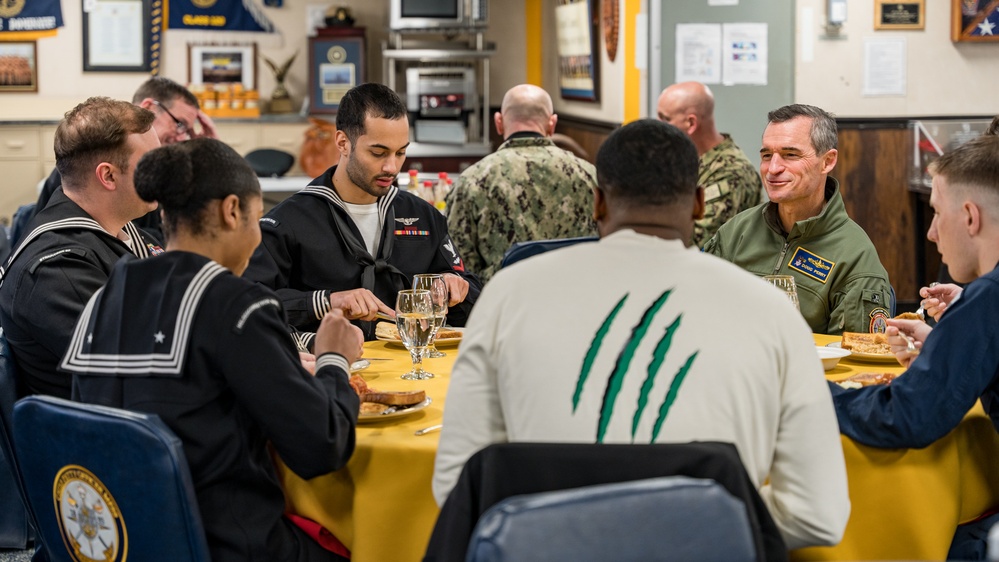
point(337, 335)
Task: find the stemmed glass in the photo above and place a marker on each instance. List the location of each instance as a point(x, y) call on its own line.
point(786, 284)
point(434, 282)
point(414, 318)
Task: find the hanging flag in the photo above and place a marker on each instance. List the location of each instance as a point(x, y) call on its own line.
point(217, 15)
point(22, 20)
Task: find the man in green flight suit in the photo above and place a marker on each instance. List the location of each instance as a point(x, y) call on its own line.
point(804, 230)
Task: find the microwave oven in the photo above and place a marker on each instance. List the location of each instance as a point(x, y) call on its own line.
point(438, 14)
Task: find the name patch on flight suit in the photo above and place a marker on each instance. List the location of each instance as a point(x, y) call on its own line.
point(810, 264)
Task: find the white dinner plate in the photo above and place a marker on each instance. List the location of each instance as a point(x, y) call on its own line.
point(441, 342)
point(872, 357)
point(399, 412)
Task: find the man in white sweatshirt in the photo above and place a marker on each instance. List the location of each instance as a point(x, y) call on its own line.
point(639, 339)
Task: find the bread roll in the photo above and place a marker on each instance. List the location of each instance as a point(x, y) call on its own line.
point(403, 398)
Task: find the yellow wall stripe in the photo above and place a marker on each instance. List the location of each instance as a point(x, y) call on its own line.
point(632, 76)
point(533, 12)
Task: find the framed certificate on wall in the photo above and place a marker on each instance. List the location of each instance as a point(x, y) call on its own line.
point(577, 22)
point(336, 64)
point(118, 35)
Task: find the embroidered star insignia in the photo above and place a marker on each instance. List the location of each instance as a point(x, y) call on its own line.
point(986, 27)
point(159, 337)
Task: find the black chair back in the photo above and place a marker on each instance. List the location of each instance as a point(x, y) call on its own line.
point(112, 482)
point(509, 469)
point(523, 250)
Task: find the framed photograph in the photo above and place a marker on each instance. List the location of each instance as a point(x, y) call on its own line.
point(900, 15)
point(974, 20)
point(118, 35)
point(336, 64)
point(577, 25)
point(221, 64)
point(18, 66)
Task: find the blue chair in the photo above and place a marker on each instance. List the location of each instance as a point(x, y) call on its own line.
point(15, 518)
point(523, 250)
point(105, 481)
point(673, 518)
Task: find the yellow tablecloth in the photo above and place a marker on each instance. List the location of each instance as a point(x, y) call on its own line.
point(905, 503)
point(380, 505)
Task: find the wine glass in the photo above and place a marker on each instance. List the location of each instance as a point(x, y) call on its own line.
point(786, 284)
point(414, 318)
point(434, 282)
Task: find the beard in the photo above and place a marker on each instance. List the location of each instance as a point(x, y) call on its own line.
point(358, 176)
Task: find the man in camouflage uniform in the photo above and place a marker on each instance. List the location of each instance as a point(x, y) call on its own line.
point(731, 183)
point(529, 189)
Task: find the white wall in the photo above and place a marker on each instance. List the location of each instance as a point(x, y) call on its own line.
point(944, 78)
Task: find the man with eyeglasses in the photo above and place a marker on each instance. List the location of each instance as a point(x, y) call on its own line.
point(178, 118)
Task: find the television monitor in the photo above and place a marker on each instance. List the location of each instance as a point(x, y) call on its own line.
point(438, 14)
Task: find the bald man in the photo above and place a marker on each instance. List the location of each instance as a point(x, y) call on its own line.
point(529, 189)
point(731, 183)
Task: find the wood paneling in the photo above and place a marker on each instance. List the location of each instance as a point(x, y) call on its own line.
point(873, 174)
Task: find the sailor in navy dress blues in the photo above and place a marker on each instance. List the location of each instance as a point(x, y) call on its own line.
point(351, 239)
point(185, 337)
point(75, 240)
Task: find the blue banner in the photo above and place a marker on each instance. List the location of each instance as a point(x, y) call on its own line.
point(217, 15)
point(30, 16)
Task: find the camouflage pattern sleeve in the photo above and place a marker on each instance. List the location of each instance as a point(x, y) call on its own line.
point(462, 219)
point(731, 185)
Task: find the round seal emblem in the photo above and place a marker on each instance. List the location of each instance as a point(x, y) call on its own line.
point(91, 525)
point(204, 3)
point(336, 55)
point(10, 8)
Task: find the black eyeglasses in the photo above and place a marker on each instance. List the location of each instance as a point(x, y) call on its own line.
point(181, 126)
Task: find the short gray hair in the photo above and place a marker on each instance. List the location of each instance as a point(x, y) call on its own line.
point(823, 134)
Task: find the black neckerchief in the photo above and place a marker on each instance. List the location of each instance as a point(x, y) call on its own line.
point(372, 267)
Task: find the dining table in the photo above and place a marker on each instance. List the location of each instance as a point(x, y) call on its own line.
point(905, 503)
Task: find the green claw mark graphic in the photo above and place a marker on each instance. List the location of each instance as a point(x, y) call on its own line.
point(591, 354)
point(658, 356)
point(674, 388)
point(623, 363)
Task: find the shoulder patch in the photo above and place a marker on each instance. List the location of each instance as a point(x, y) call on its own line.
point(238, 328)
point(810, 264)
point(79, 252)
point(879, 320)
point(269, 222)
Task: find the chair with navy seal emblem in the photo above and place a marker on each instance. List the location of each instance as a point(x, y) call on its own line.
point(106, 483)
point(671, 518)
point(523, 250)
point(15, 517)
